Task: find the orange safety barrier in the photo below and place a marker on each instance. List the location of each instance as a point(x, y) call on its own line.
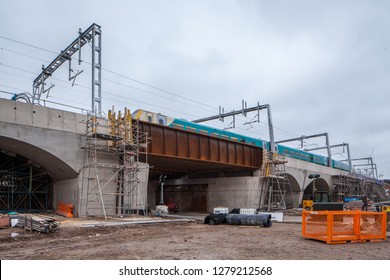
point(65, 210)
point(337, 227)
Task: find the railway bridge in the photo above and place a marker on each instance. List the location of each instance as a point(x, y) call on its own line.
point(48, 157)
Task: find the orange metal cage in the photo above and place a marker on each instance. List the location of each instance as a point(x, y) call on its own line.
point(337, 227)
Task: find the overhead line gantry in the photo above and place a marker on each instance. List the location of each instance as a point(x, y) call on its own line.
point(92, 35)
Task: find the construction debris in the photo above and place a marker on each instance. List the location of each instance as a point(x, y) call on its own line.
point(38, 223)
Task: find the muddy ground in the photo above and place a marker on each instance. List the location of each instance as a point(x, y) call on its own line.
point(184, 241)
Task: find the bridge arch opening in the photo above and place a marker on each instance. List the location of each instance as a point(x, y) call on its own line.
point(24, 186)
point(321, 186)
point(28, 176)
point(54, 166)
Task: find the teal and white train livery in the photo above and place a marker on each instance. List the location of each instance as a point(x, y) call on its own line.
point(206, 130)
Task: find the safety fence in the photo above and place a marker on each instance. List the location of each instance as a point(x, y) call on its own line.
point(337, 227)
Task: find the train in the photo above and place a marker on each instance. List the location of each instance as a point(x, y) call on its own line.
point(206, 130)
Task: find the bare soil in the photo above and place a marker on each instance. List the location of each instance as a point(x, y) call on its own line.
point(182, 241)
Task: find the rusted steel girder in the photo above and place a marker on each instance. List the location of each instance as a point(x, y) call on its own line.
point(180, 144)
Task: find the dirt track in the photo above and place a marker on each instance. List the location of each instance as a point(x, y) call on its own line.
point(181, 241)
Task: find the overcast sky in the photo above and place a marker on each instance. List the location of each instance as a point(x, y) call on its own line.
point(323, 66)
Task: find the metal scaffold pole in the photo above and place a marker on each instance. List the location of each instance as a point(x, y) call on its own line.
point(113, 147)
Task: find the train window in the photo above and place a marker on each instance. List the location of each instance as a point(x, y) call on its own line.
point(178, 125)
point(149, 118)
point(191, 129)
point(162, 120)
point(203, 131)
point(215, 134)
point(234, 138)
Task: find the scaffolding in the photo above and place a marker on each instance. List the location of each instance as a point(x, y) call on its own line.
point(112, 165)
point(275, 182)
point(354, 185)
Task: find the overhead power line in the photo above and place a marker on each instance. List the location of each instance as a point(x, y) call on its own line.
point(28, 45)
point(104, 79)
point(157, 88)
point(118, 74)
point(119, 83)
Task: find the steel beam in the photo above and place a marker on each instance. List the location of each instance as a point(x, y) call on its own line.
point(175, 144)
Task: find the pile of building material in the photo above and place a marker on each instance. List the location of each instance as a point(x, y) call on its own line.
point(38, 223)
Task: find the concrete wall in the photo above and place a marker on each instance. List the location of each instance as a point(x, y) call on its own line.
point(239, 192)
point(66, 191)
point(50, 138)
point(108, 187)
point(231, 192)
point(151, 193)
point(43, 117)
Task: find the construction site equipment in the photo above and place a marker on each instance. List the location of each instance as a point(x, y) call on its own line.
point(307, 205)
point(65, 210)
point(38, 223)
point(112, 165)
point(331, 206)
point(386, 208)
point(215, 219)
point(235, 217)
point(310, 205)
point(338, 227)
point(249, 220)
point(275, 182)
